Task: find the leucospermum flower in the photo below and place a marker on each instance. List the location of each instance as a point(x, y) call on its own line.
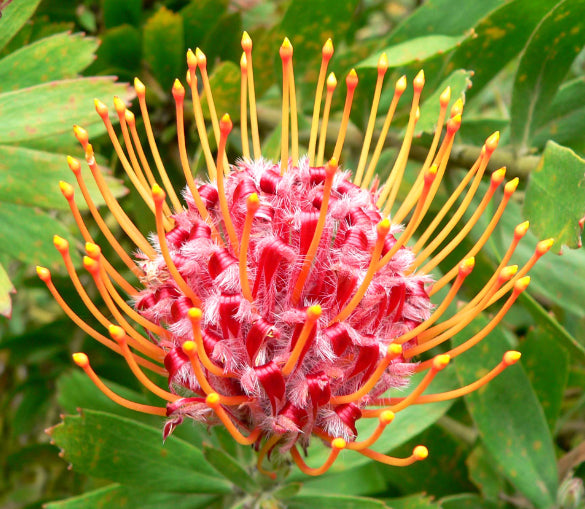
point(282, 300)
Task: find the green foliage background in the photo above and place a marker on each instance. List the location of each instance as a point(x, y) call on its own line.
point(517, 443)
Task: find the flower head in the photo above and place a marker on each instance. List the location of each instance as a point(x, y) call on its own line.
point(284, 299)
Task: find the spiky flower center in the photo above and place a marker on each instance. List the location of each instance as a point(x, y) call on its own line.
point(254, 320)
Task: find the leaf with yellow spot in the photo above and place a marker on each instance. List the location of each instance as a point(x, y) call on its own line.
point(509, 417)
point(555, 197)
point(546, 59)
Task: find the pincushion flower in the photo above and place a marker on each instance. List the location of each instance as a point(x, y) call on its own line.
point(282, 300)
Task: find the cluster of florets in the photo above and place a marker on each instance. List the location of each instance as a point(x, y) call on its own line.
point(251, 341)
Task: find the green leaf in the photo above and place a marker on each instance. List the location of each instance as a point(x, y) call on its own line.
point(555, 197)
point(6, 288)
point(509, 418)
point(554, 44)
point(199, 18)
point(499, 37)
point(547, 321)
point(111, 447)
point(570, 95)
point(466, 501)
point(364, 480)
point(225, 84)
point(333, 502)
point(44, 110)
point(31, 177)
point(308, 24)
point(120, 53)
point(57, 57)
point(116, 495)
point(163, 46)
point(484, 475)
point(14, 16)
point(547, 366)
point(459, 81)
point(230, 469)
point(446, 17)
point(287, 491)
point(25, 234)
point(117, 13)
point(414, 50)
point(420, 501)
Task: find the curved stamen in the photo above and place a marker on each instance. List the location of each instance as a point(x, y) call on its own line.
point(337, 445)
point(213, 401)
point(83, 362)
point(419, 453)
point(326, 55)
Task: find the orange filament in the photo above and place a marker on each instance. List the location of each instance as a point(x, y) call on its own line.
point(382, 68)
point(121, 110)
point(390, 189)
point(510, 358)
point(541, 248)
point(331, 84)
point(214, 401)
point(191, 350)
point(244, 106)
point(393, 352)
point(419, 453)
point(141, 94)
point(509, 190)
point(294, 121)
point(313, 314)
point(225, 127)
point(382, 230)
point(466, 314)
point(464, 269)
point(444, 99)
point(123, 305)
point(477, 169)
point(330, 170)
point(497, 178)
point(519, 287)
point(337, 445)
point(179, 95)
point(398, 91)
point(68, 192)
point(268, 445)
point(440, 161)
point(131, 122)
point(123, 220)
point(326, 55)
point(351, 83)
point(119, 336)
point(438, 363)
point(198, 114)
point(414, 220)
point(159, 197)
point(138, 341)
point(202, 64)
point(195, 316)
point(63, 247)
point(385, 418)
point(83, 362)
point(252, 205)
point(45, 276)
point(247, 47)
point(519, 232)
point(286, 52)
point(102, 110)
